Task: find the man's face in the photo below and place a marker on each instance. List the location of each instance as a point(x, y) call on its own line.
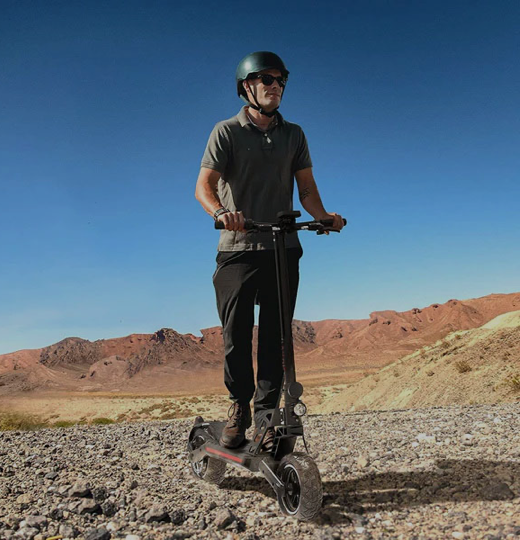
point(269, 97)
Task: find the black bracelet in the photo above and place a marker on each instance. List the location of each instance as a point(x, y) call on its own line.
point(219, 212)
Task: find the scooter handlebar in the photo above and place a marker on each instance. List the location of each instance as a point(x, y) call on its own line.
point(320, 226)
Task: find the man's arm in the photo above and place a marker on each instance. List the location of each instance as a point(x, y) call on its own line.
point(207, 194)
point(311, 200)
point(206, 190)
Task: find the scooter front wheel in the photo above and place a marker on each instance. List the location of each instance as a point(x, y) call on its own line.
point(208, 469)
point(303, 493)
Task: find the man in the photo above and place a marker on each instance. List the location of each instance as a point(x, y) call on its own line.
point(248, 172)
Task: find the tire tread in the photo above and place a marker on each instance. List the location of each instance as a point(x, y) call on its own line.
point(215, 471)
point(311, 489)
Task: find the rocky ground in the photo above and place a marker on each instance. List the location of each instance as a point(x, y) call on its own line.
point(449, 472)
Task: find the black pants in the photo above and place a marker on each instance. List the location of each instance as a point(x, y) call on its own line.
point(243, 278)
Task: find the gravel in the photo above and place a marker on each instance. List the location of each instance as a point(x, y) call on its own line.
point(450, 472)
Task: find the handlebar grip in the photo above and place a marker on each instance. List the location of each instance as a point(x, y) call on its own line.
point(330, 221)
point(327, 222)
point(249, 224)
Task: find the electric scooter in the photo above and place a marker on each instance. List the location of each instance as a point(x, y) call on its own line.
point(294, 476)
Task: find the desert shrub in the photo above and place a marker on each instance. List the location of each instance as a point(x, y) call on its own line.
point(11, 421)
point(513, 381)
point(64, 423)
point(101, 420)
point(462, 366)
point(152, 408)
point(168, 416)
point(430, 373)
point(165, 406)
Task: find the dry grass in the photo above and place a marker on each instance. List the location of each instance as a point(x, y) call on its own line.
point(513, 382)
point(66, 424)
point(462, 366)
point(16, 421)
point(19, 421)
point(102, 421)
point(67, 409)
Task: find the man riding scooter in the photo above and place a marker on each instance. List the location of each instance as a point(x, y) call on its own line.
point(248, 171)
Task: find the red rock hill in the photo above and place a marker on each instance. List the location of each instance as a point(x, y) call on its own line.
point(167, 359)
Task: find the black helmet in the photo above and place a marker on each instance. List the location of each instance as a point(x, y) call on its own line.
point(255, 62)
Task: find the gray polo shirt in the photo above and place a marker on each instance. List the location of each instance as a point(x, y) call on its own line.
point(257, 174)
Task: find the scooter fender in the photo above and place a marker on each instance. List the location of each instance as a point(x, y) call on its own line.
point(211, 436)
point(203, 425)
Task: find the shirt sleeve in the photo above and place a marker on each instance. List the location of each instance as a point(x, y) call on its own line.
point(302, 157)
point(217, 151)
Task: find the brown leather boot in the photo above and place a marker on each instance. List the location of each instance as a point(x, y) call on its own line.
point(268, 443)
point(234, 431)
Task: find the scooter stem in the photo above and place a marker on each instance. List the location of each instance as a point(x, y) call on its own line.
point(282, 275)
point(292, 390)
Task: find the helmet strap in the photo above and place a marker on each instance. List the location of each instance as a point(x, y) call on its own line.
point(257, 105)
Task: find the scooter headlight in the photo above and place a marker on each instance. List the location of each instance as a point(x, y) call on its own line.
point(300, 409)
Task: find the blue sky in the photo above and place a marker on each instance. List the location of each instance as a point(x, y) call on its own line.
point(411, 110)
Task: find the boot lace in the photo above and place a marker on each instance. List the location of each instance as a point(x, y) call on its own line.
point(236, 415)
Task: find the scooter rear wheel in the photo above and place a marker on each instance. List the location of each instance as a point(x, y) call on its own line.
point(303, 494)
point(208, 469)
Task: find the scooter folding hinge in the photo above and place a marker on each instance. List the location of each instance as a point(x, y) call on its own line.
point(271, 477)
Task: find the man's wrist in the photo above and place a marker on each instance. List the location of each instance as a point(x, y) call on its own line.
point(218, 212)
point(321, 215)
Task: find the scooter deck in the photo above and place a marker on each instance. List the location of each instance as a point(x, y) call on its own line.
point(247, 455)
point(244, 455)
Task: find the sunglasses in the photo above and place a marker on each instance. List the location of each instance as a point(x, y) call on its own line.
point(268, 80)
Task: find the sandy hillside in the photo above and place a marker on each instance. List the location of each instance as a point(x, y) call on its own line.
point(466, 367)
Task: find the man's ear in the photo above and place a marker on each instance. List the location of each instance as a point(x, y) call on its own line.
point(245, 84)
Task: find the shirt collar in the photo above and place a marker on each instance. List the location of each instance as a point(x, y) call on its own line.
point(245, 122)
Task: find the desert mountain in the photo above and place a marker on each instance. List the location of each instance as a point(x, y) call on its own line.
point(169, 361)
point(481, 365)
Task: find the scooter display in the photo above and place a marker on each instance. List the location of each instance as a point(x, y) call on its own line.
point(294, 476)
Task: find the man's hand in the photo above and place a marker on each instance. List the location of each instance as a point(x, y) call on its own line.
point(233, 221)
point(337, 224)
